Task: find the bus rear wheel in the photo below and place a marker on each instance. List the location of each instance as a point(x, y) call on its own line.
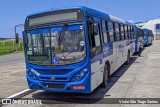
point(105, 76)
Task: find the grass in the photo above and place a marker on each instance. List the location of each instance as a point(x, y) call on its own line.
point(9, 47)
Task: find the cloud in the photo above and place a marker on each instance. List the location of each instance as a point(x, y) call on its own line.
point(131, 21)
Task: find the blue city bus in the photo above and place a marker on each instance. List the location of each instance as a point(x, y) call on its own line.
point(75, 49)
point(139, 33)
point(148, 37)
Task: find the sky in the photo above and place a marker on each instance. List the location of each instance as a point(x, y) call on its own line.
point(13, 12)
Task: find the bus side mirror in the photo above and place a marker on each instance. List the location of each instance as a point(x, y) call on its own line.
point(95, 28)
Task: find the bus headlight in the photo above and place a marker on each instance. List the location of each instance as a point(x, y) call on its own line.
point(80, 75)
point(31, 75)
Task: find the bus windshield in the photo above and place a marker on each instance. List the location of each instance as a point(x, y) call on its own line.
point(56, 46)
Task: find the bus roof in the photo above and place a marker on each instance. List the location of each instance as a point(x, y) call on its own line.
point(88, 10)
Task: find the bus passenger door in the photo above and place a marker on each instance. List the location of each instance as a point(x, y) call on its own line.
point(96, 55)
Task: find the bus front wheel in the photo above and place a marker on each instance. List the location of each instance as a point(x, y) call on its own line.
point(105, 76)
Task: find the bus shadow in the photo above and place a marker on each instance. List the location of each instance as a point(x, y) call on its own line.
point(96, 96)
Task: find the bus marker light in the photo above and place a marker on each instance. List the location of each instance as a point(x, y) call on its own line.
point(52, 78)
point(77, 87)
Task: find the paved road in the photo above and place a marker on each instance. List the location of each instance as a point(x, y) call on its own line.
point(11, 59)
point(12, 75)
point(139, 79)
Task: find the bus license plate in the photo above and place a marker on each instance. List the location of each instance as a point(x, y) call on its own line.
point(79, 87)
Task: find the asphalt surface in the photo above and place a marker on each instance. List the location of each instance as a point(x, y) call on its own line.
point(12, 75)
point(139, 79)
point(11, 59)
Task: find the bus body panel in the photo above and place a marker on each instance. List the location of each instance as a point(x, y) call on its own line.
point(96, 72)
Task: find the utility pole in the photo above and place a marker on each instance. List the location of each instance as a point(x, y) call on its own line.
point(16, 34)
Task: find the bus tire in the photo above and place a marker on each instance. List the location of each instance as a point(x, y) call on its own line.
point(105, 75)
point(128, 58)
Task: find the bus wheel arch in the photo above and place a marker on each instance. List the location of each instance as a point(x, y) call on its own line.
point(106, 74)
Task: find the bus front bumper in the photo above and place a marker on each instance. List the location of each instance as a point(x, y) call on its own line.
point(82, 86)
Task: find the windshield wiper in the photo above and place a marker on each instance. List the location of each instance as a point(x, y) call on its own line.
point(61, 36)
point(62, 33)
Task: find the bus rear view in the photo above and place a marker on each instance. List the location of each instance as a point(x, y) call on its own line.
point(56, 53)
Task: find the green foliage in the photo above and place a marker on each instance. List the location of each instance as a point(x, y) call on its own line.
point(10, 47)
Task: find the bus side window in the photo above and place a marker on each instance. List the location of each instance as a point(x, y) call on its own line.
point(111, 31)
point(29, 48)
point(117, 32)
point(104, 31)
point(122, 32)
point(126, 32)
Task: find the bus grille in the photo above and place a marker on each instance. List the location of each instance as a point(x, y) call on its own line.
point(49, 79)
point(54, 72)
